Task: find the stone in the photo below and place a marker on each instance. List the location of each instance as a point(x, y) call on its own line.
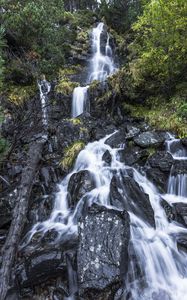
point(132, 155)
point(132, 131)
point(107, 157)
point(117, 139)
point(103, 247)
point(40, 267)
point(150, 139)
point(79, 184)
point(132, 198)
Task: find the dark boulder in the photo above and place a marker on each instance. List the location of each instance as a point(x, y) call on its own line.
point(132, 131)
point(132, 198)
point(103, 252)
point(158, 169)
point(117, 139)
point(79, 184)
point(184, 142)
point(179, 167)
point(5, 212)
point(107, 157)
point(150, 139)
point(181, 210)
point(132, 155)
point(40, 267)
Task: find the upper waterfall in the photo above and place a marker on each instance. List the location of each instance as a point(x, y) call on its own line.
point(101, 66)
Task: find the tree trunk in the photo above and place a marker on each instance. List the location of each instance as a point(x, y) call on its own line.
point(19, 216)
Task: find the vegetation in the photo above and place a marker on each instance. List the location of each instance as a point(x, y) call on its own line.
point(70, 155)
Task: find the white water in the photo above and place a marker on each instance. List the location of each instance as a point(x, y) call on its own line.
point(101, 65)
point(163, 267)
point(80, 95)
point(44, 87)
point(177, 183)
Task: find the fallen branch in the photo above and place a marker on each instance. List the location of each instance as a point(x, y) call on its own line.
point(19, 216)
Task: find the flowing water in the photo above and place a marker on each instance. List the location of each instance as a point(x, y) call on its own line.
point(101, 66)
point(44, 88)
point(157, 269)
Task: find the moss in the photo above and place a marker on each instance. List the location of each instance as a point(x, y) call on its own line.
point(19, 94)
point(66, 87)
point(69, 70)
point(162, 114)
point(94, 85)
point(70, 154)
point(75, 121)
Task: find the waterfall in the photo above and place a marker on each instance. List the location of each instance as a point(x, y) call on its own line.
point(79, 100)
point(44, 88)
point(101, 66)
point(177, 184)
point(163, 267)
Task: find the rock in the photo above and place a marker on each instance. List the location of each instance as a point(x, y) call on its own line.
point(162, 160)
point(132, 198)
point(179, 167)
point(107, 157)
point(103, 248)
point(117, 139)
point(132, 132)
point(150, 139)
point(132, 155)
point(158, 169)
point(40, 267)
point(184, 141)
point(181, 210)
point(79, 184)
point(5, 212)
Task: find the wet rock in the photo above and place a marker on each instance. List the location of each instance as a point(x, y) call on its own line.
point(132, 198)
point(117, 139)
point(79, 184)
point(181, 210)
point(40, 267)
point(150, 139)
point(158, 169)
point(107, 157)
point(179, 167)
point(103, 248)
point(162, 160)
point(132, 155)
point(184, 141)
point(132, 131)
point(5, 212)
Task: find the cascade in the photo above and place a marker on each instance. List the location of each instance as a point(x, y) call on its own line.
point(163, 268)
point(177, 183)
point(44, 88)
point(101, 66)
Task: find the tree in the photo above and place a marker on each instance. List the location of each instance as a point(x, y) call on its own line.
point(160, 44)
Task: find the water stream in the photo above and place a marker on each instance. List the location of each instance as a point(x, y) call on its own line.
point(163, 268)
point(44, 88)
point(101, 66)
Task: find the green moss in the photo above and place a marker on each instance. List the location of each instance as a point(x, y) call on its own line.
point(75, 121)
point(66, 87)
point(161, 113)
point(19, 94)
point(70, 154)
point(94, 85)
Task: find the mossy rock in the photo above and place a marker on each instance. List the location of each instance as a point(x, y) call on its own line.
point(66, 87)
point(70, 155)
point(19, 94)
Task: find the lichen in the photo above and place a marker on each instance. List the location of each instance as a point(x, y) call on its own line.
point(70, 154)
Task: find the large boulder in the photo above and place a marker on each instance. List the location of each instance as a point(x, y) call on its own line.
point(102, 253)
point(117, 139)
point(132, 155)
point(79, 184)
point(132, 198)
point(40, 267)
point(158, 169)
point(179, 167)
point(150, 139)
